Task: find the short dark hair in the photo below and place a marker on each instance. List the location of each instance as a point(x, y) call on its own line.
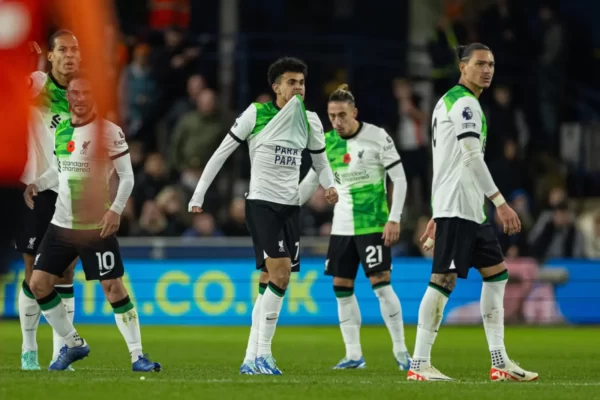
point(78, 75)
point(465, 52)
point(57, 34)
point(342, 93)
point(283, 65)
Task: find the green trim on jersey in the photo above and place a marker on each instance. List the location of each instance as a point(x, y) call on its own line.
point(53, 97)
point(369, 208)
point(265, 112)
point(369, 202)
point(452, 97)
point(63, 135)
point(335, 148)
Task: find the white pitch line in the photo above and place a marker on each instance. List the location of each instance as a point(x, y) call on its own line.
point(284, 381)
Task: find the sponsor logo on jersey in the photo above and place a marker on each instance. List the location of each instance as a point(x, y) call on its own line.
point(467, 113)
point(84, 147)
point(73, 166)
point(388, 147)
point(119, 142)
point(469, 125)
point(353, 177)
point(286, 156)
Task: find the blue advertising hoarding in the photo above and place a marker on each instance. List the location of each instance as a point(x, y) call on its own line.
point(221, 292)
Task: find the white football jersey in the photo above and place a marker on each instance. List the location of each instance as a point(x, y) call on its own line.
point(81, 157)
point(276, 138)
point(50, 108)
point(457, 115)
point(359, 165)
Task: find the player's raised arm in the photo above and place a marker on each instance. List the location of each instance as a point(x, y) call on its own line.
point(393, 166)
point(309, 184)
point(316, 147)
point(466, 117)
point(240, 130)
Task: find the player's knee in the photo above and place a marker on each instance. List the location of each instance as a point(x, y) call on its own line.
point(39, 286)
point(446, 281)
point(343, 282)
point(378, 278)
point(113, 289)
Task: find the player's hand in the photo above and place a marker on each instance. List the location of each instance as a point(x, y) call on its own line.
point(509, 218)
point(428, 238)
point(196, 210)
point(110, 224)
point(331, 195)
point(29, 194)
point(391, 233)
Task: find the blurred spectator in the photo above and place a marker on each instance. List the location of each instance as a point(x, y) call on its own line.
point(504, 121)
point(589, 225)
point(410, 128)
point(442, 50)
point(195, 84)
point(203, 225)
point(168, 13)
point(152, 221)
point(136, 152)
point(551, 72)
point(236, 221)
point(520, 203)
point(501, 28)
point(138, 90)
point(315, 214)
point(198, 133)
point(512, 246)
point(509, 172)
point(150, 181)
point(555, 235)
point(264, 98)
point(172, 205)
point(128, 220)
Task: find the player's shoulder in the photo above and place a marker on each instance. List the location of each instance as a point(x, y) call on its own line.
point(459, 97)
point(38, 76)
point(373, 133)
point(111, 129)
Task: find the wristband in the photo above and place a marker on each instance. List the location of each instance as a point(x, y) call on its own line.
point(498, 200)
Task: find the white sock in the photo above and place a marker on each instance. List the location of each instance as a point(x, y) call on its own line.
point(431, 313)
point(55, 313)
point(391, 310)
point(492, 310)
point(129, 325)
point(29, 315)
point(253, 339)
point(350, 320)
point(270, 307)
point(69, 303)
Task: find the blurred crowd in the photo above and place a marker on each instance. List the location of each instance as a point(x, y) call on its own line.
point(174, 120)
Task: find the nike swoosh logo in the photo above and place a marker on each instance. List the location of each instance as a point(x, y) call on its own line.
point(373, 265)
point(393, 315)
point(518, 374)
point(70, 312)
point(56, 101)
point(295, 265)
point(31, 315)
point(104, 273)
point(271, 319)
point(346, 320)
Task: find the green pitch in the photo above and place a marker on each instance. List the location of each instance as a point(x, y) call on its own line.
point(202, 363)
